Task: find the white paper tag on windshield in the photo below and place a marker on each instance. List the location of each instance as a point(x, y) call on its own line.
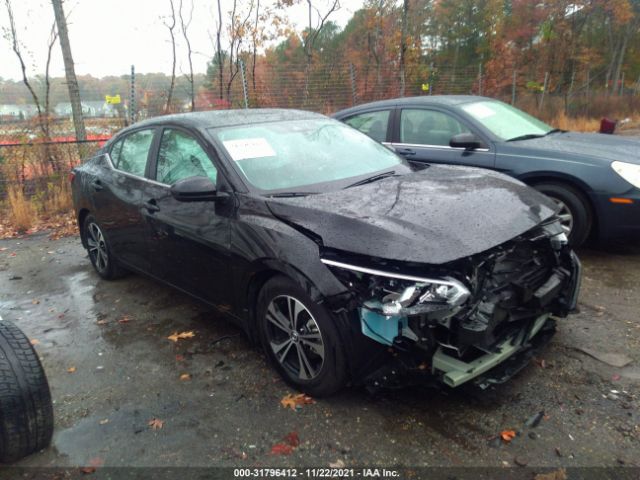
point(479, 111)
point(244, 148)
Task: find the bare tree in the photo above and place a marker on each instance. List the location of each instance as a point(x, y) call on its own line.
point(219, 50)
point(237, 32)
point(70, 73)
point(43, 113)
point(171, 26)
point(403, 46)
point(254, 39)
point(184, 25)
point(313, 32)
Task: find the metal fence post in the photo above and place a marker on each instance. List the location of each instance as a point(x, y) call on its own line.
point(480, 80)
point(513, 87)
point(354, 94)
point(544, 90)
point(244, 84)
point(132, 96)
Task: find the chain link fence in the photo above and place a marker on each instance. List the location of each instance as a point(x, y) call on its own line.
point(30, 163)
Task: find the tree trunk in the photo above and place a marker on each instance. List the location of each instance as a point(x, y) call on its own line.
point(70, 74)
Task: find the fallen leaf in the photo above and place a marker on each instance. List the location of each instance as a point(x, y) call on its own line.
point(156, 424)
point(337, 464)
point(104, 422)
point(294, 401)
point(124, 318)
point(560, 474)
point(615, 377)
point(102, 322)
point(281, 449)
point(180, 336)
point(185, 376)
point(71, 369)
point(35, 341)
point(35, 301)
point(179, 358)
point(88, 470)
point(507, 435)
point(292, 439)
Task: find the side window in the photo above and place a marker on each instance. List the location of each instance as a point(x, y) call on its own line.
point(428, 127)
point(130, 153)
point(181, 156)
point(373, 124)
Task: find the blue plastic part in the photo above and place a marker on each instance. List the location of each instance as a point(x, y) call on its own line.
point(379, 327)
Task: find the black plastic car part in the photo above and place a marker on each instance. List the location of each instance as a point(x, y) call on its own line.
point(26, 411)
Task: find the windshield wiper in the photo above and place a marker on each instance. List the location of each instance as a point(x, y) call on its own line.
point(555, 130)
point(290, 194)
point(373, 178)
point(528, 136)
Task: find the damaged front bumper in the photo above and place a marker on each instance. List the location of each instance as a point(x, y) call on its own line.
point(464, 319)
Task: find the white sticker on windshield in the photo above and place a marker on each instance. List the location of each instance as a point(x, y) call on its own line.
point(479, 110)
point(244, 148)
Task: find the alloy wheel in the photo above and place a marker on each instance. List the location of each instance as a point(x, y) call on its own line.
point(564, 214)
point(294, 337)
point(97, 247)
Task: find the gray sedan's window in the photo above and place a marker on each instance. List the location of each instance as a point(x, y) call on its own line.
point(181, 156)
point(428, 127)
point(130, 153)
point(287, 155)
point(373, 124)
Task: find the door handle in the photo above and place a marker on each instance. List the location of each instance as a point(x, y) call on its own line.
point(406, 151)
point(151, 206)
point(97, 185)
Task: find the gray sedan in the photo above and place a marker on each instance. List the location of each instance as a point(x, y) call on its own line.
point(594, 179)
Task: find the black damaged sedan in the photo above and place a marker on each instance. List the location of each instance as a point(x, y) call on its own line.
point(329, 250)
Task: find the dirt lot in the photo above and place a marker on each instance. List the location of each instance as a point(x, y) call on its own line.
point(112, 370)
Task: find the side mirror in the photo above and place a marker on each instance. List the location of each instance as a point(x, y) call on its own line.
point(468, 141)
point(196, 189)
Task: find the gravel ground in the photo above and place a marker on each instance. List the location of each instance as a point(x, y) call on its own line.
point(112, 370)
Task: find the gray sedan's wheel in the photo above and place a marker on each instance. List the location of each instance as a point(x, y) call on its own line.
point(99, 251)
point(26, 411)
point(574, 211)
point(300, 338)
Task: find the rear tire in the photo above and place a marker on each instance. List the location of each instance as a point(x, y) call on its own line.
point(575, 210)
point(300, 338)
point(26, 412)
point(102, 259)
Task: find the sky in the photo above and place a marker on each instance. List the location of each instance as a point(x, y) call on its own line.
point(107, 37)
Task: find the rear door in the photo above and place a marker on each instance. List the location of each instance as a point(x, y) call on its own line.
point(118, 197)
point(189, 240)
point(422, 135)
point(373, 123)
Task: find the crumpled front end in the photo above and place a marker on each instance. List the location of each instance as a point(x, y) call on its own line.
point(460, 321)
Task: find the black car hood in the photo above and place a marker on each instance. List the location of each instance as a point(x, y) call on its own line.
point(434, 216)
point(594, 145)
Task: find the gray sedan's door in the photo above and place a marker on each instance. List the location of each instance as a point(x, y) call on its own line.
point(422, 135)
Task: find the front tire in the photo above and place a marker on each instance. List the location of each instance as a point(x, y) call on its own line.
point(102, 259)
point(574, 211)
point(26, 411)
point(300, 338)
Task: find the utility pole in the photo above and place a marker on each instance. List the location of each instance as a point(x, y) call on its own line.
point(132, 96)
point(70, 73)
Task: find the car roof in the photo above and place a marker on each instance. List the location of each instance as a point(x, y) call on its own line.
point(425, 100)
point(227, 118)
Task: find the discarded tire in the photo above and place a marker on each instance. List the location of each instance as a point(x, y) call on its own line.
point(26, 412)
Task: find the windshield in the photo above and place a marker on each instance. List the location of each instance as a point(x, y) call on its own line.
point(505, 121)
point(294, 154)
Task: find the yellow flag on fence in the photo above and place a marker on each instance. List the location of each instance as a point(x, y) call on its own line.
point(425, 87)
point(112, 100)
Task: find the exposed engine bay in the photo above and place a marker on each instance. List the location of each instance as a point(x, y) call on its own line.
point(459, 320)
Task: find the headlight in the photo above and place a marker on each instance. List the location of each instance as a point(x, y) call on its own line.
point(409, 295)
point(629, 171)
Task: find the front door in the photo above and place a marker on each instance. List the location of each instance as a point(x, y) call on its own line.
point(423, 136)
point(189, 240)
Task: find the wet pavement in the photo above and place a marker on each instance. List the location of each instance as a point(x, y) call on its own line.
point(112, 370)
